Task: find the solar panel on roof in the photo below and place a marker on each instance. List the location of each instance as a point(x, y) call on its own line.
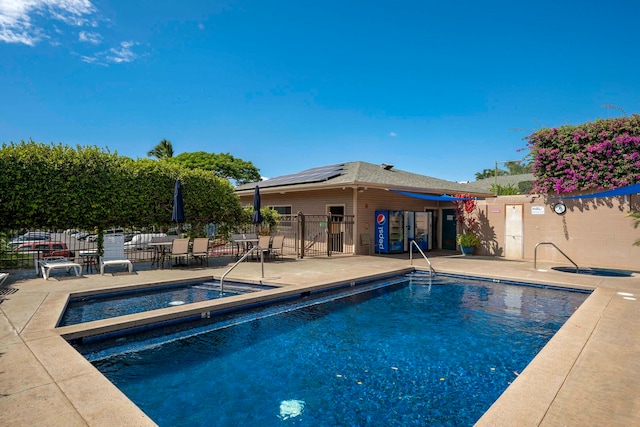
point(318, 174)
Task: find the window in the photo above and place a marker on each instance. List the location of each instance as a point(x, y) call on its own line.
point(282, 210)
point(285, 215)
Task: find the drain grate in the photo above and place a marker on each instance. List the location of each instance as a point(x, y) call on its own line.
point(8, 291)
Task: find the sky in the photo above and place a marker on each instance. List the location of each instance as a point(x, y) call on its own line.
point(443, 89)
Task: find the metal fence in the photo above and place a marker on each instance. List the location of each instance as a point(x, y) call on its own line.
point(316, 235)
point(305, 236)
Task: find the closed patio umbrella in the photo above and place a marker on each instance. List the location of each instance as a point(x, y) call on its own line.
point(178, 205)
point(257, 216)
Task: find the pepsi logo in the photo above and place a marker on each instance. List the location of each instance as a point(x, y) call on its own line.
point(381, 218)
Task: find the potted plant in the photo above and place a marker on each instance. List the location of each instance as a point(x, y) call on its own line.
point(465, 207)
point(468, 242)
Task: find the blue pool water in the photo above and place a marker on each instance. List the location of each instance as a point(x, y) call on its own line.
point(406, 351)
point(120, 303)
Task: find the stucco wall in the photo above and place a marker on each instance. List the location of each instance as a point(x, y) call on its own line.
point(594, 233)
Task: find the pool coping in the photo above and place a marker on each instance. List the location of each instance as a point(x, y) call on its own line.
point(44, 368)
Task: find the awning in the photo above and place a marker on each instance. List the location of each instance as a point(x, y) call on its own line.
point(623, 191)
point(443, 198)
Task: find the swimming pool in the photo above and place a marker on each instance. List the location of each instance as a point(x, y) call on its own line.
point(111, 304)
point(404, 351)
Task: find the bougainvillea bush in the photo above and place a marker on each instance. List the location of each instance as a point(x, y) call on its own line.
point(603, 154)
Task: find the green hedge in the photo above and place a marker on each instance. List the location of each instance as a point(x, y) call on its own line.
point(55, 186)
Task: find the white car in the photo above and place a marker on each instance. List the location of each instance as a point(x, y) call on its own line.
point(31, 236)
point(141, 241)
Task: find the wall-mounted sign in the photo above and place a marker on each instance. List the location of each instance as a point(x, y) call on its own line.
point(496, 211)
point(537, 210)
point(449, 217)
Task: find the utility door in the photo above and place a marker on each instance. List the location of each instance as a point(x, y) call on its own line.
point(513, 245)
point(449, 229)
point(336, 238)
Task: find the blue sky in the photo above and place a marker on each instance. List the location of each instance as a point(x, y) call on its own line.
point(443, 89)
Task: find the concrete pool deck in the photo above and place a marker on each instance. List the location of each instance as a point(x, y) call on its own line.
point(588, 374)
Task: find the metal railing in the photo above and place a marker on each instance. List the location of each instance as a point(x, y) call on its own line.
point(535, 255)
point(413, 243)
point(253, 249)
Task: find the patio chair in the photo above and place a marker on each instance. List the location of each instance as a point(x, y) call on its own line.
point(235, 244)
point(365, 240)
point(3, 277)
point(200, 249)
point(114, 253)
point(179, 250)
point(277, 245)
point(264, 246)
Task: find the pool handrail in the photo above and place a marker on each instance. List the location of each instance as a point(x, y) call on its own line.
point(255, 248)
point(413, 242)
point(535, 255)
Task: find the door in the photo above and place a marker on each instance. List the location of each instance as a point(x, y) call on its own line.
point(449, 229)
point(513, 245)
point(336, 239)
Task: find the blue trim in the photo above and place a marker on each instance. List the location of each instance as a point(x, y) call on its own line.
point(443, 198)
point(623, 191)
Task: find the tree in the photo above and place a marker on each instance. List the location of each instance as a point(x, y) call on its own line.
point(223, 165)
point(164, 150)
point(516, 167)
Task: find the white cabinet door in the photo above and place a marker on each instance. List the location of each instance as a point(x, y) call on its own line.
point(513, 245)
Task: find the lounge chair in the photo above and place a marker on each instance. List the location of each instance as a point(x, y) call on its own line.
point(179, 250)
point(114, 253)
point(200, 249)
point(47, 264)
point(277, 245)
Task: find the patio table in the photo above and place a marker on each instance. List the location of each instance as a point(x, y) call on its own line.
point(247, 244)
point(89, 260)
point(159, 251)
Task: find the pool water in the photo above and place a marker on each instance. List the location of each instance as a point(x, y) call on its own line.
point(113, 304)
point(405, 352)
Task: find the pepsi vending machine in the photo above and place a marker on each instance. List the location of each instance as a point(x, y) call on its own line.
point(389, 236)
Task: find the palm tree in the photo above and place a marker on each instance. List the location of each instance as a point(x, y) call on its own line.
point(163, 150)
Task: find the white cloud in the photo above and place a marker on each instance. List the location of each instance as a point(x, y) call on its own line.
point(16, 17)
point(121, 54)
point(89, 37)
point(31, 21)
point(115, 55)
point(393, 134)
